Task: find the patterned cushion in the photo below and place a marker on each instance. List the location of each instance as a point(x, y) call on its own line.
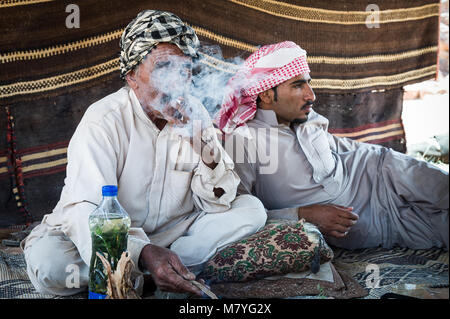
point(281, 247)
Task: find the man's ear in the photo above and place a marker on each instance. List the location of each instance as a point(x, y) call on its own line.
point(131, 79)
point(267, 98)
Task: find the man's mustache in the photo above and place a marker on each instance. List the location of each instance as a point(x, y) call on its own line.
point(308, 103)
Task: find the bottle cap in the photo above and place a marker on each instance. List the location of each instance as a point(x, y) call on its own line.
point(109, 190)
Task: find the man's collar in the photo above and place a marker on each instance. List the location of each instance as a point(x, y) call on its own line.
point(270, 118)
point(138, 109)
point(267, 116)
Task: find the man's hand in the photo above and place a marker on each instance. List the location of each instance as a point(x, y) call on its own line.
point(167, 270)
point(200, 127)
point(332, 220)
point(203, 135)
point(204, 144)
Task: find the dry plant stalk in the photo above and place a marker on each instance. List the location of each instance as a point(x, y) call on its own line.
point(205, 289)
point(119, 284)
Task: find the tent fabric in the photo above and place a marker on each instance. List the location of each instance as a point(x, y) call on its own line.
point(347, 50)
point(50, 73)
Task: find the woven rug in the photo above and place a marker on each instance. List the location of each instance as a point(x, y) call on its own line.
point(343, 287)
point(14, 281)
point(396, 266)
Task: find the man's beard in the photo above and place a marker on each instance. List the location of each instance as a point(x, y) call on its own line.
point(300, 121)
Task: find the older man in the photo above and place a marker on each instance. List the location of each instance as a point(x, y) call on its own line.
point(359, 195)
point(175, 181)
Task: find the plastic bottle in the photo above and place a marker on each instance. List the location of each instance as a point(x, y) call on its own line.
point(109, 224)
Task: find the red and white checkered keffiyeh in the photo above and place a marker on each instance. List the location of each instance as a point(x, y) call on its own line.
point(264, 69)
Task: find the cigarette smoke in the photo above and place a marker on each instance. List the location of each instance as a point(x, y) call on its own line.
point(211, 77)
point(188, 84)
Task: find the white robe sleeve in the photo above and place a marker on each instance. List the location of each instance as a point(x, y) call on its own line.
point(345, 144)
point(341, 144)
point(206, 179)
point(92, 162)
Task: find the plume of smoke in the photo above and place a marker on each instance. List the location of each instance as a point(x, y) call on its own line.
point(193, 89)
point(211, 76)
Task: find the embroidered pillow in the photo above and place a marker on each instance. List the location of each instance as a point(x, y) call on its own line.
point(281, 247)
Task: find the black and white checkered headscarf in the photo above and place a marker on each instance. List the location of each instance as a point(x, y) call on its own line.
point(149, 28)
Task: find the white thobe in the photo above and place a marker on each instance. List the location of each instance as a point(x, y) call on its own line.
point(163, 184)
point(399, 200)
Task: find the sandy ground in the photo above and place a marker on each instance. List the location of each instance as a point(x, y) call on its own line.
point(426, 104)
point(426, 113)
point(427, 116)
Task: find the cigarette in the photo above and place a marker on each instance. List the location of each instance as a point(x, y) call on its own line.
point(177, 114)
